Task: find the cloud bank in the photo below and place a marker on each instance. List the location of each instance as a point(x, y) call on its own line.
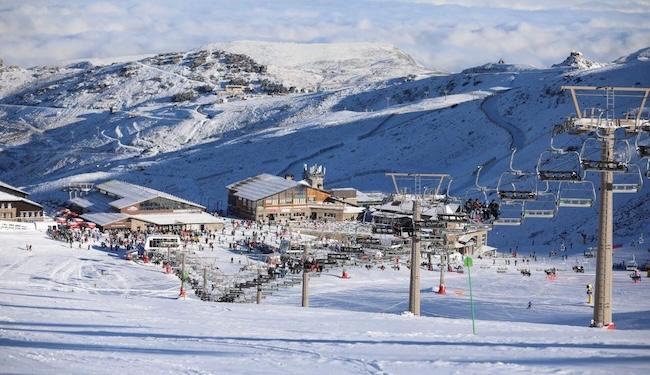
point(441, 34)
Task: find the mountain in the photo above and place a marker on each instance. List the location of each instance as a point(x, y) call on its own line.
point(642, 55)
point(171, 121)
point(576, 60)
point(499, 67)
point(328, 65)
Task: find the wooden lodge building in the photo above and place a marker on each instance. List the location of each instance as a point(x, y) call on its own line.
point(14, 205)
point(269, 198)
point(121, 205)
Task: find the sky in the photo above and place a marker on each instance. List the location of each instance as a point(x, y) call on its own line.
point(440, 34)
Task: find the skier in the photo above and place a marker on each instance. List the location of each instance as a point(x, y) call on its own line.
point(530, 305)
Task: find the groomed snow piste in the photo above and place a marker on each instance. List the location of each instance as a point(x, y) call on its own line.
point(78, 311)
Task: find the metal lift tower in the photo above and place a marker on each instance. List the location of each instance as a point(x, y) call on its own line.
point(426, 187)
point(603, 123)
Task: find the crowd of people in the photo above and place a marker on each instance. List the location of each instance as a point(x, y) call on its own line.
point(480, 211)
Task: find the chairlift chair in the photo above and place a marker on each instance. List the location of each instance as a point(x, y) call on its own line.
point(482, 196)
point(452, 200)
point(544, 207)
point(628, 182)
point(510, 214)
point(518, 187)
point(590, 158)
point(580, 194)
point(480, 193)
point(567, 147)
point(559, 166)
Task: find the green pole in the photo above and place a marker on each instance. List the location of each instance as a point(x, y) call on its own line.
point(471, 298)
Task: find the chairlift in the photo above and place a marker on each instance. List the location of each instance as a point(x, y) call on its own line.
point(590, 156)
point(572, 132)
point(510, 214)
point(481, 193)
point(476, 194)
point(516, 185)
point(580, 194)
point(628, 182)
point(544, 207)
point(457, 215)
point(556, 165)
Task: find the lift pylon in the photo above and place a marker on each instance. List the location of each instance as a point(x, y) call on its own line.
point(603, 123)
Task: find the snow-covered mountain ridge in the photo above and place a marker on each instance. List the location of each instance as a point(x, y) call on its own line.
point(361, 110)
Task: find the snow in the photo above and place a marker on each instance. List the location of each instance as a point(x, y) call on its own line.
point(498, 68)
point(328, 65)
point(56, 131)
point(576, 60)
point(77, 311)
point(642, 55)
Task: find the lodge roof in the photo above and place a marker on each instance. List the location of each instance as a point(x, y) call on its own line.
point(131, 194)
point(261, 186)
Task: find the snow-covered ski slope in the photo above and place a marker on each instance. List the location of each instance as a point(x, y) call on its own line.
point(328, 65)
point(77, 311)
point(58, 128)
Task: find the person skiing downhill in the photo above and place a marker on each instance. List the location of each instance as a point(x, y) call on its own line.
point(530, 305)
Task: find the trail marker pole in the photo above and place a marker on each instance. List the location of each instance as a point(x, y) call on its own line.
point(258, 296)
point(205, 280)
point(414, 286)
point(182, 292)
point(442, 289)
point(305, 279)
point(468, 263)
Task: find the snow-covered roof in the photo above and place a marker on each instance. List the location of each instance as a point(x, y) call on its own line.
point(6, 197)
point(131, 194)
point(440, 209)
point(370, 196)
point(352, 209)
point(261, 186)
point(387, 214)
point(7, 186)
point(430, 209)
point(344, 192)
point(94, 202)
point(485, 249)
point(104, 218)
point(179, 218)
point(465, 238)
point(81, 202)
